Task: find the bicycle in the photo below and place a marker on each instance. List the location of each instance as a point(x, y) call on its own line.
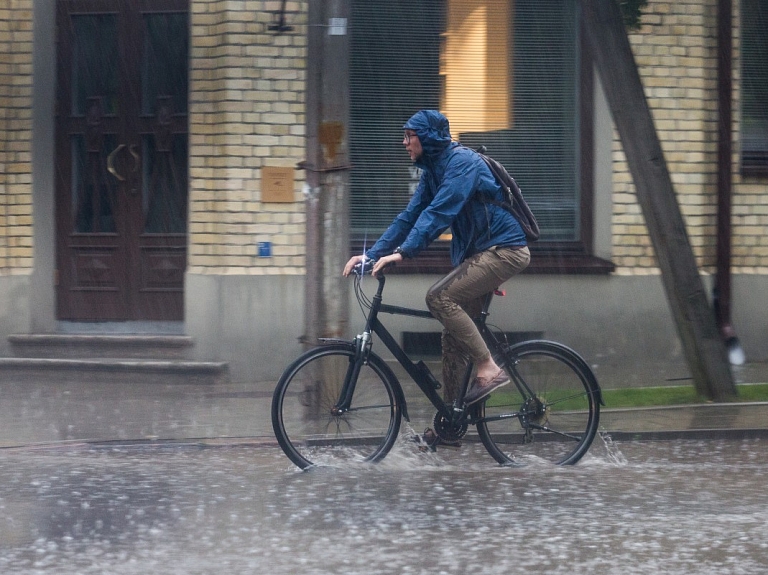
point(341, 402)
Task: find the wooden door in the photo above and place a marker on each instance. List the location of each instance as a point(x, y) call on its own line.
point(121, 159)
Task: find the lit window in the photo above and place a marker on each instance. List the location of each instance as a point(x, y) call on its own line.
point(476, 65)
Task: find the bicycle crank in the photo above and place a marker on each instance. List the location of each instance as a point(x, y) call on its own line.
point(449, 431)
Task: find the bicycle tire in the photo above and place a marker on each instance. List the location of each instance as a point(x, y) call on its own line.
point(304, 425)
point(557, 423)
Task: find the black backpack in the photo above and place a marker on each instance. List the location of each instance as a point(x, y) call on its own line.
point(513, 202)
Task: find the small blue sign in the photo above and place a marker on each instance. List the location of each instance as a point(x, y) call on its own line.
point(265, 249)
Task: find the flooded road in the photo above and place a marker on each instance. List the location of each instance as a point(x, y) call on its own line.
point(671, 507)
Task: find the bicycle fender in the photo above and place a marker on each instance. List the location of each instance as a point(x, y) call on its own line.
point(374, 358)
point(575, 356)
point(333, 340)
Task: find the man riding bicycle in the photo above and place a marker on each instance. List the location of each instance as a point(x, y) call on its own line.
point(456, 190)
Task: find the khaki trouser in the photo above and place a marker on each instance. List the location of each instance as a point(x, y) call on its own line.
point(458, 297)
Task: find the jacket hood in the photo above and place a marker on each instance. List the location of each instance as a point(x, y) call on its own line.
point(432, 129)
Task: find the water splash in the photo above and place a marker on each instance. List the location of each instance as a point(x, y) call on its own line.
point(614, 454)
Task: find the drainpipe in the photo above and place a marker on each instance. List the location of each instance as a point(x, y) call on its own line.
point(722, 288)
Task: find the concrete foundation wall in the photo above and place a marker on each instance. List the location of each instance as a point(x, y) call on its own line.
point(15, 304)
point(620, 324)
point(251, 322)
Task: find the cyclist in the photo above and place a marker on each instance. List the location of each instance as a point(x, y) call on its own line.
point(488, 245)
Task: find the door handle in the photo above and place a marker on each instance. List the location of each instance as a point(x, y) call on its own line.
point(136, 164)
point(111, 160)
point(136, 157)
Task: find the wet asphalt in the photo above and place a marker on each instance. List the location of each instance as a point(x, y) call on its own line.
point(107, 479)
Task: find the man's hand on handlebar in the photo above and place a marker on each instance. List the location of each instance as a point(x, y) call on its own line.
point(381, 263)
point(355, 264)
point(352, 263)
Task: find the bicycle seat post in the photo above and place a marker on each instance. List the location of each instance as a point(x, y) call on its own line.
point(486, 306)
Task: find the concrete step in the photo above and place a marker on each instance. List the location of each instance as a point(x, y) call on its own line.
point(91, 346)
point(119, 358)
point(119, 371)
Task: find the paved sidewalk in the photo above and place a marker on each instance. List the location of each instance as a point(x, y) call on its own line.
point(708, 419)
point(34, 412)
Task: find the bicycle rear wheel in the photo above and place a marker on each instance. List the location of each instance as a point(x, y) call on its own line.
point(550, 410)
point(308, 428)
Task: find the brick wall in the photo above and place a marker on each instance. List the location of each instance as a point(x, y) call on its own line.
point(15, 137)
point(247, 111)
point(676, 52)
point(247, 89)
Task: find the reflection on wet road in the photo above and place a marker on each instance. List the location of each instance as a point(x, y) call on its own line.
point(674, 507)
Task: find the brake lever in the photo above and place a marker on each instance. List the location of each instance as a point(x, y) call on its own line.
point(364, 267)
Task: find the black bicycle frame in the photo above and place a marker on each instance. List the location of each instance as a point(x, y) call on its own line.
point(418, 371)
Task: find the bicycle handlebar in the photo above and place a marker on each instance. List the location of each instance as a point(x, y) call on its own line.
point(366, 267)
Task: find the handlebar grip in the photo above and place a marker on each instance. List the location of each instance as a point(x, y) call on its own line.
point(364, 267)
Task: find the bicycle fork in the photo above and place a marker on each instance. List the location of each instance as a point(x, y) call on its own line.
point(362, 349)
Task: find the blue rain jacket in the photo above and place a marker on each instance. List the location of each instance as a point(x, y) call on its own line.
point(451, 176)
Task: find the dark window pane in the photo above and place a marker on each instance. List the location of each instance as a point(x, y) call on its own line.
point(395, 71)
point(164, 63)
point(93, 188)
point(754, 85)
point(94, 62)
point(164, 194)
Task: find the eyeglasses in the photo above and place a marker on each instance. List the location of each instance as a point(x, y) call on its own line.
point(407, 137)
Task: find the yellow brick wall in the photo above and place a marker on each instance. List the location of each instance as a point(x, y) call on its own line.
point(247, 88)
point(15, 137)
point(247, 111)
point(675, 53)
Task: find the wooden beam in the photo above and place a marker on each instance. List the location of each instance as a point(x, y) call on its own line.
point(704, 349)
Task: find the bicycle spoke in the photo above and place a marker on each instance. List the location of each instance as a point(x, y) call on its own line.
point(556, 413)
point(556, 432)
point(304, 409)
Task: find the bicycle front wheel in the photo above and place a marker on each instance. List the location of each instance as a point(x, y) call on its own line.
point(309, 427)
point(550, 410)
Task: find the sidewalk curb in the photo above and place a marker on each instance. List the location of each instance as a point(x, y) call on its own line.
point(691, 434)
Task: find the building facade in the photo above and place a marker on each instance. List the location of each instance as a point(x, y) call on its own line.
point(150, 179)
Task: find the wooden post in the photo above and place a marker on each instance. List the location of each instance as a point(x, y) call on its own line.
point(704, 349)
point(327, 168)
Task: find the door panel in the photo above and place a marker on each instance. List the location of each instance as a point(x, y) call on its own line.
point(121, 137)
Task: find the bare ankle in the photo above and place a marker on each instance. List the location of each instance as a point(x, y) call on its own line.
point(487, 369)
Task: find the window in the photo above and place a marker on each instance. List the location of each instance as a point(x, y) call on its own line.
point(508, 75)
point(754, 87)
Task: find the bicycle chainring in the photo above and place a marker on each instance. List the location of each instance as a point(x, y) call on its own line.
point(447, 430)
